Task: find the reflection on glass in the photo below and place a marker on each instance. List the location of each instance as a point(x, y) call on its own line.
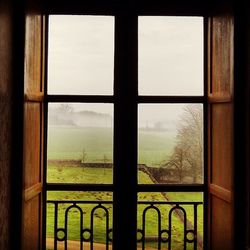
point(80, 143)
point(170, 55)
point(80, 55)
point(154, 216)
point(170, 143)
point(60, 203)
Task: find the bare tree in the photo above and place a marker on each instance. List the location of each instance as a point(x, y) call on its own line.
point(65, 108)
point(84, 156)
point(188, 152)
point(177, 161)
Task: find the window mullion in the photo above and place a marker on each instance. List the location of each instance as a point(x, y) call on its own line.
point(125, 132)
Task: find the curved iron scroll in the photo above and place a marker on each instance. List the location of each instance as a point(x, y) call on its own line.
point(164, 234)
point(61, 233)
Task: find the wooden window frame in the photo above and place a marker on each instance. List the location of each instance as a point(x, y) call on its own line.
point(126, 101)
point(126, 107)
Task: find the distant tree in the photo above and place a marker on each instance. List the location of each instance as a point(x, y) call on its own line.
point(188, 152)
point(65, 108)
point(105, 159)
point(84, 156)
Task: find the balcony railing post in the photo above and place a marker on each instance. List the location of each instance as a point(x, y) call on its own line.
point(160, 238)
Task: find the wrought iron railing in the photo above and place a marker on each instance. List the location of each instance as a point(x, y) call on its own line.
point(163, 235)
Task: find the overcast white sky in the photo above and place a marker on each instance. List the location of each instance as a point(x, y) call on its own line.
point(81, 59)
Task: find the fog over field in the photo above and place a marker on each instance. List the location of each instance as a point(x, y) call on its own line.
point(151, 116)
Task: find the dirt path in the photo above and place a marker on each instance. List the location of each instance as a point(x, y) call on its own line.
point(74, 245)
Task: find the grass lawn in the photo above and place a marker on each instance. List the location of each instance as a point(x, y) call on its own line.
point(97, 175)
point(153, 148)
point(69, 142)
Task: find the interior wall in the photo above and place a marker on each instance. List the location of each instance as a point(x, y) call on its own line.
point(248, 128)
point(5, 119)
point(242, 124)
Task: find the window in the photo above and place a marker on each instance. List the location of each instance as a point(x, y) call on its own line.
point(129, 101)
point(83, 180)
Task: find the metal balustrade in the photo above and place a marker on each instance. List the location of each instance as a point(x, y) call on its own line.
point(164, 235)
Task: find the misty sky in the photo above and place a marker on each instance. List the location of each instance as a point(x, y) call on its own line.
point(81, 60)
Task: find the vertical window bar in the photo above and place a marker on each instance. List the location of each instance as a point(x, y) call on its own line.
point(125, 131)
point(205, 128)
point(45, 106)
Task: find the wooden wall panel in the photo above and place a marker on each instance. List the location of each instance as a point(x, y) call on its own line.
point(32, 150)
point(222, 59)
point(221, 215)
point(222, 145)
point(32, 218)
point(33, 64)
point(6, 112)
point(221, 133)
point(33, 130)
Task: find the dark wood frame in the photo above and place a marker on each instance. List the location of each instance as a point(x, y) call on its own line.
point(162, 7)
point(125, 100)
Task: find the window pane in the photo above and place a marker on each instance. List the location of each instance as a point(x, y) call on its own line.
point(66, 207)
point(164, 214)
point(170, 56)
point(170, 143)
point(80, 143)
point(81, 55)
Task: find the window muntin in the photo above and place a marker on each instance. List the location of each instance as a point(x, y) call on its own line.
point(170, 55)
point(80, 55)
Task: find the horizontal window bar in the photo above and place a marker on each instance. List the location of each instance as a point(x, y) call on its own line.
point(78, 187)
point(79, 98)
point(111, 99)
point(139, 202)
point(80, 202)
point(157, 7)
point(170, 202)
point(171, 99)
point(171, 188)
point(140, 188)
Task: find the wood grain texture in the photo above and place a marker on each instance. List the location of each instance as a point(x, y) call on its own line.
point(32, 191)
point(33, 52)
point(221, 133)
point(220, 192)
point(33, 129)
point(5, 119)
point(33, 97)
point(221, 228)
point(222, 55)
point(31, 215)
point(32, 172)
point(222, 145)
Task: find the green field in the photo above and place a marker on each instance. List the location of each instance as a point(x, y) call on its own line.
point(154, 147)
point(88, 175)
point(69, 142)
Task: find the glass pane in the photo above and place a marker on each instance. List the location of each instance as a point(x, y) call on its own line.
point(80, 143)
point(66, 208)
point(160, 215)
point(170, 143)
point(81, 55)
point(170, 55)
